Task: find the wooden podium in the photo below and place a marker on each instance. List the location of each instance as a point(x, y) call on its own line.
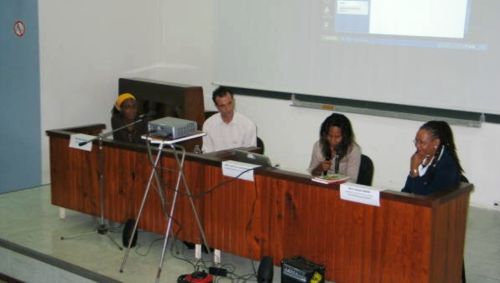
point(281, 214)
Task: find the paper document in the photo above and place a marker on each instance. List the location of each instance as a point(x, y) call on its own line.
point(330, 179)
point(233, 168)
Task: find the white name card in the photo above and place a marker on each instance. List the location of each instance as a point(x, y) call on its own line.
point(233, 168)
point(359, 193)
point(76, 139)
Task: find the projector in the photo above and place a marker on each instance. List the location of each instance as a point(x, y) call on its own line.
point(172, 128)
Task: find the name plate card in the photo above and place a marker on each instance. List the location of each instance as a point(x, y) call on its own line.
point(235, 169)
point(359, 193)
point(76, 139)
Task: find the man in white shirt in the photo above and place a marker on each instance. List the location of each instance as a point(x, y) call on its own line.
point(228, 128)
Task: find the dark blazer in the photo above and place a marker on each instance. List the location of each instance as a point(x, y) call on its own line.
point(442, 174)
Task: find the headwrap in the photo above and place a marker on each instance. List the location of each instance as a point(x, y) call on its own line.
point(119, 101)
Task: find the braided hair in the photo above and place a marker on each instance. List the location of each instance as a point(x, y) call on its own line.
point(442, 131)
point(340, 121)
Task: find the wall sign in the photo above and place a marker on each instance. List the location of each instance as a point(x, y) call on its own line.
point(19, 28)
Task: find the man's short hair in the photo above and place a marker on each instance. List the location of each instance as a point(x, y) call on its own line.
point(220, 92)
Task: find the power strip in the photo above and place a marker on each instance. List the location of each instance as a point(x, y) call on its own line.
point(217, 271)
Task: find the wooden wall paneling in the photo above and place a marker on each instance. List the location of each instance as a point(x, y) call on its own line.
point(86, 163)
point(234, 199)
point(306, 210)
point(211, 216)
point(269, 218)
point(140, 176)
point(229, 213)
point(450, 219)
point(357, 230)
point(61, 191)
point(329, 231)
point(74, 177)
point(336, 223)
point(406, 242)
point(370, 243)
point(240, 203)
point(406, 239)
point(119, 183)
point(194, 174)
point(373, 263)
point(252, 216)
point(324, 220)
point(170, 179)
point(223, 212)
point(154, 217)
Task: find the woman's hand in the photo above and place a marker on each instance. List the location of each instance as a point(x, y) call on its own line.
point(326, 165)
point(415, 161)
point(322, 168)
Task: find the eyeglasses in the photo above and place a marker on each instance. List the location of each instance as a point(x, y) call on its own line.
point(420, 142)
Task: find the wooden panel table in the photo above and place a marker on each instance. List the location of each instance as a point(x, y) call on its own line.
point(281, 214)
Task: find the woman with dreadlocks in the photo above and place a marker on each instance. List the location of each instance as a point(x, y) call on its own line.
point(435, 165)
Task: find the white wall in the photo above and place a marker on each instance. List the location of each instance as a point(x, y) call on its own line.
point(186, 56)
point(289, 133)
point(85, 46)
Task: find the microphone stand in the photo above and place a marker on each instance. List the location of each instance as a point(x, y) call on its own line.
point(102, 228)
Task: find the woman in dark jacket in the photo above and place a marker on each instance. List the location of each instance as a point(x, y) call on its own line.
point(435, 165)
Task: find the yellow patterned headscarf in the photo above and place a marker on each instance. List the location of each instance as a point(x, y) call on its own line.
point(119, 101)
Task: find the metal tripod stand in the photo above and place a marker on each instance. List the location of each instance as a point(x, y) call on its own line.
point(102, 228)
point(180, 177)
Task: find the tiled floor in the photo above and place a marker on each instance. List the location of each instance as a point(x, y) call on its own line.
point(29, 220)
point(482, 246)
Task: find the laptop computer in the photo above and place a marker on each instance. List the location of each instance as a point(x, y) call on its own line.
point(251, 157)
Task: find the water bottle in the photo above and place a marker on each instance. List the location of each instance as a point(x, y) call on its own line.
point(197, 149)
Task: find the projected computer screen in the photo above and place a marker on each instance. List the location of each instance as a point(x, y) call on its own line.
point(413, 23)
point(432, 53)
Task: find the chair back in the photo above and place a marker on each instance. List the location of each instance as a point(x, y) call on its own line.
point(260, 144)
point(464, 179)
point(366, 169)
point(209, 114)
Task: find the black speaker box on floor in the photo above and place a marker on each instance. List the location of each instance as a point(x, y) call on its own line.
point(127, 233)
point(298, 269)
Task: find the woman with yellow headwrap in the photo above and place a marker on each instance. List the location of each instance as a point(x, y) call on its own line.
point(124, 113)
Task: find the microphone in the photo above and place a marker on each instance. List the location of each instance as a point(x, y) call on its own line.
point(337, 159)
point(327, 158)
point(83, 143)
point(139, 119)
